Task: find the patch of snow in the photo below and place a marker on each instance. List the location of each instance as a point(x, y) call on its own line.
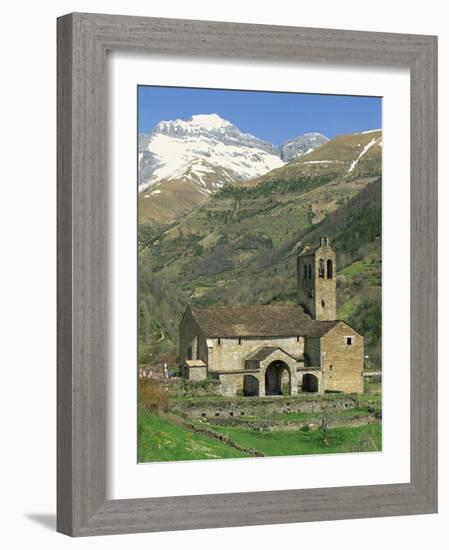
point(372, 131)
point(191, 158)
point(364, 150)
point(210, 122)
point(202, 168)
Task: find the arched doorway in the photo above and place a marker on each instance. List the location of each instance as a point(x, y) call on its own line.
point(250, 385)
point(277, 379)
point(309, 383)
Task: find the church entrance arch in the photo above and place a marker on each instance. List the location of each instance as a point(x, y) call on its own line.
point(250, 385)
point(277, 379)
point(309, 383)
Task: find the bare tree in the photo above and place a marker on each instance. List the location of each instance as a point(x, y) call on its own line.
point(325, 421)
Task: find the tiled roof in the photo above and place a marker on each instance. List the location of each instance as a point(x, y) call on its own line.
point(265, 320)
point(265, 351)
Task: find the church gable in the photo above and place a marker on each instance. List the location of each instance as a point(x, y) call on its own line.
point(266, 352)
point(342, 326)
point(192, 342)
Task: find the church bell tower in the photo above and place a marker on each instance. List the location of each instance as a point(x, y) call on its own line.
point(316, 281)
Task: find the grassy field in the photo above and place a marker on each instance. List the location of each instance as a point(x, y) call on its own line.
point(336, 440)
point(161, 440)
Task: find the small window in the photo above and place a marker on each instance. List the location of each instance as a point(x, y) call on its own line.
point(349, 340)
point(331, 367)
point(219, 342)
point(321, 269)
point(323, 304)
point(297, 338)
point(310, 271)
point(189, 353)
point(330, 270)
point(305, 271)
point(240, 341)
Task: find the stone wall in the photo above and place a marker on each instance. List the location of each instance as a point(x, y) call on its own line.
point(230, 384)
point(231, 355)
point(342, 363)
point(180, 387)
point(312, 351)
point(270, 425)
point(254, 406)
point(197, 374)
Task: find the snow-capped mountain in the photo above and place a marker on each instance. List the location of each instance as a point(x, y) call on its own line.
point(209, 152)
point(294, 148)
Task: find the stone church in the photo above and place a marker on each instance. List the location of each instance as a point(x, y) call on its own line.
point(267, 350)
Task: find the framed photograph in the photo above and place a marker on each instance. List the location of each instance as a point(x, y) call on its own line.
point(247, 274)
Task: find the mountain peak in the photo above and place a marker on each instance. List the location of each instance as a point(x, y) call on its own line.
point(209, 151)
point(302, 145)
point(209, 121)
point(196, 124)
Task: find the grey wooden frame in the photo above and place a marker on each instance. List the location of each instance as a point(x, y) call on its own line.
point(83, 40)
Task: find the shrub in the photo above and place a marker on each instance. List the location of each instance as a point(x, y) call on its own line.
point(152, 395)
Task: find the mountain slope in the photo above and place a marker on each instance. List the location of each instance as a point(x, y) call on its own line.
point(169, 202)
point(346, 155)
point(239, 246)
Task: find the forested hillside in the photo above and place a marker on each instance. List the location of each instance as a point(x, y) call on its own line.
point(239, 246)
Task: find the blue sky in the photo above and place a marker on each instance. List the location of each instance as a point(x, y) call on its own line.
point(272, 116)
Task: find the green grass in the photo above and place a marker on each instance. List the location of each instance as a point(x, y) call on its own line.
point(160, 440)
point(356, 268)
point(348, 309)
point(339, 440)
